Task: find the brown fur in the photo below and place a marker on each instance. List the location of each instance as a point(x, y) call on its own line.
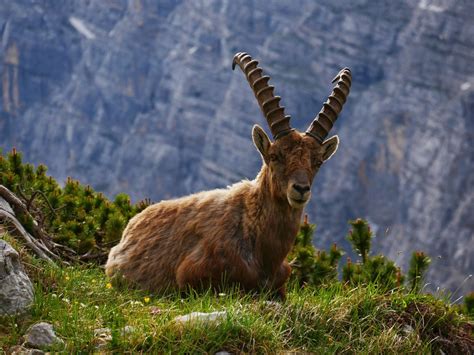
point(242, 233)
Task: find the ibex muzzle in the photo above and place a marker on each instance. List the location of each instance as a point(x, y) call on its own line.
point(299, 189)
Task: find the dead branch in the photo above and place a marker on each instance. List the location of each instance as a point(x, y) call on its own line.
point(94, 256)
point(45, 198)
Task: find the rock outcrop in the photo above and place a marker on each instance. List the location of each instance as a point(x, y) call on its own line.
point(16, 289)
point(139, 97)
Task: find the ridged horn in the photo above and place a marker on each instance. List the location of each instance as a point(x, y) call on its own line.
point(268, 102)
point(323, 122)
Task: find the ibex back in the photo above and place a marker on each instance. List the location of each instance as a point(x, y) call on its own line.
point(241, 234)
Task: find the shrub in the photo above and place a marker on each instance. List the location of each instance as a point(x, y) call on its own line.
point(315, 267)
point(309, 265)
point(469, 303)
point(74, 215)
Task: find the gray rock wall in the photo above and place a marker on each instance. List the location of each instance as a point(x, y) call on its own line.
point(138, 96)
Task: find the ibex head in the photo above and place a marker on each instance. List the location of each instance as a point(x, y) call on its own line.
point(294, 158)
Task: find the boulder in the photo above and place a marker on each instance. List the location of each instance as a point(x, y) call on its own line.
point(41, 335)
point(16, 289)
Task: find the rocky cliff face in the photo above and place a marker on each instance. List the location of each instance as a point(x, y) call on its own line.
point(139, 97)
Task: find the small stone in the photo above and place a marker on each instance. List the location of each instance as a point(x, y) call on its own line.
point(407, 329)
point(16, 289)
point(201, 317)
point(102, 336)
point(100, 343)
point(222, 353)
point(155, 311)
point(273, 304)
point(103, 333)
point(128, 329)
point(42, 335)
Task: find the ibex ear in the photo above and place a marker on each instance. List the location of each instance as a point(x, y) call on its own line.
point(261, 141)
point(329, 147)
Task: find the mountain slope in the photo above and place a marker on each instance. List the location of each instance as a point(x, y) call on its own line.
point(139, 97)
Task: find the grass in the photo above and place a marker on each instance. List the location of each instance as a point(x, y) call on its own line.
point(333, 318)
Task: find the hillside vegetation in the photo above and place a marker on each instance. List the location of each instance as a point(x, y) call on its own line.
point(332, 318)
point(74, 215)
point(370, 306)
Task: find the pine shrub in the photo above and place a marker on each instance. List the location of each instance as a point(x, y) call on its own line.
point(309, 265)
point(376, 269)
point(469, 303)
point(361, 237)
point(74, 215)
point(316, 267)
point(418, 265)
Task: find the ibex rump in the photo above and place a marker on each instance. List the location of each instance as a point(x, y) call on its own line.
point(243, 233)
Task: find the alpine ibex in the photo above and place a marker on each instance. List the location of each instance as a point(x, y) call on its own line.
point(241, 234)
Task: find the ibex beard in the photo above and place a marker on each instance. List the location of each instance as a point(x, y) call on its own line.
point(244, 233)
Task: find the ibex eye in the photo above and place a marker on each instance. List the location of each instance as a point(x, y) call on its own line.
point(273, 157)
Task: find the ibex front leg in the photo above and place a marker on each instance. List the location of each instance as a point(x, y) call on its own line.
point(279, 282)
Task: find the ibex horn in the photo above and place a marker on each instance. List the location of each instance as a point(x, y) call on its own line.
point(323, 122)
point(268, 102)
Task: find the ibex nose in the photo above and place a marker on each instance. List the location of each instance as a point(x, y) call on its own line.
point(302, 189)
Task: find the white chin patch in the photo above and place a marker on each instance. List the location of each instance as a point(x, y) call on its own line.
point(296, 204)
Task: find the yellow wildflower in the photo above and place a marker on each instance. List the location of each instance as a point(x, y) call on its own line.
point(146, 299)
point(109, 285)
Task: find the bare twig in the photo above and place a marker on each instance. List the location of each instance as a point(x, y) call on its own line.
point(45, 198)
point(10, 197)
point(93, 256)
